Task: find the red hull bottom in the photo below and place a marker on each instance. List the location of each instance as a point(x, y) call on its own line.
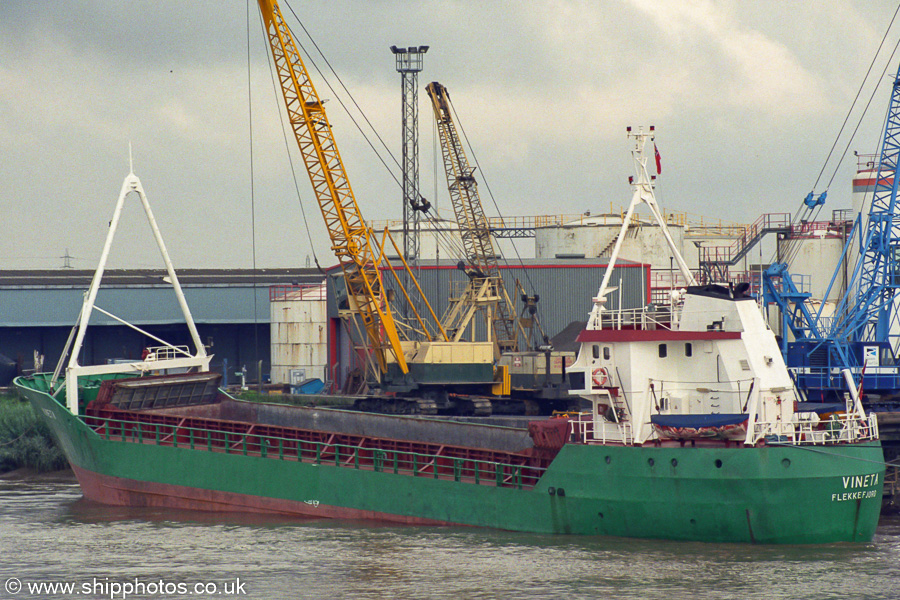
point(118, 491)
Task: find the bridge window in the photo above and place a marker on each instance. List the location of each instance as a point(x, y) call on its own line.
point(606, 353)
point(688, 349)
point(663, 351)
point(595, 349)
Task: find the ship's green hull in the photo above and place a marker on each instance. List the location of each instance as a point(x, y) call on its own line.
point(768, 494)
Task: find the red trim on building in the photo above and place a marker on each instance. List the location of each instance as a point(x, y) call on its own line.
point(333, 360)
point(561, 265)
point(653, 335)
point(868, 181)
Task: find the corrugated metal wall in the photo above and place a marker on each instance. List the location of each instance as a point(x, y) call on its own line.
point(565, 287)
point(47, 307)
point(234, 317)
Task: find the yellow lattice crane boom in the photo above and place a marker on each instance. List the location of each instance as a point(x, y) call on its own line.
point(432, 367)
point(485, 289)
point(350, 237)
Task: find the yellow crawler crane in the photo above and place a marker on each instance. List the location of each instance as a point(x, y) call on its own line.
point(433, 369)
point(485, 290)
point(534, 377)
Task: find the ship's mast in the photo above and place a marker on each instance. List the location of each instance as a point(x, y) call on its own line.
point(642, 185)
point(179, 358)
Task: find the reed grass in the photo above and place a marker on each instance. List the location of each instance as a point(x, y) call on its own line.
point(25, 442)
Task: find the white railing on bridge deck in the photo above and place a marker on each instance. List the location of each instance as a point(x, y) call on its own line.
point(636, 318)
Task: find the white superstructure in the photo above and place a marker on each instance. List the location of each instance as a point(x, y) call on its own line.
point(705, 367)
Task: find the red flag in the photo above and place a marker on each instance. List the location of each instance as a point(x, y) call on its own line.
point(658, 161)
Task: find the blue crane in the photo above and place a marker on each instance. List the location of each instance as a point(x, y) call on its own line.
point(862, 332)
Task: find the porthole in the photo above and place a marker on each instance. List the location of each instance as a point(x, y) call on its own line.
point(674, 462)
point(786, 463)
point(608, 460)
point(718, 464)
point(651, 462)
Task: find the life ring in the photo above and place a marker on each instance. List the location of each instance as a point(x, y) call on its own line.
point(599, 377)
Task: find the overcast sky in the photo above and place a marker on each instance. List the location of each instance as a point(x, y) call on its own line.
point(747, 98)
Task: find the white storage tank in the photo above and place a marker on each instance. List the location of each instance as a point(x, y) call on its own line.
point(438, 238)
point(299, 332)
point(594, 236)
point(815, 250)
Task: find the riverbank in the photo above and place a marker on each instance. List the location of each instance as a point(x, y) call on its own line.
point(25, 442)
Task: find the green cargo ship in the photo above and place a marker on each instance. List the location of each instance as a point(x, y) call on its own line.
point(695, 432)
point(190, 457)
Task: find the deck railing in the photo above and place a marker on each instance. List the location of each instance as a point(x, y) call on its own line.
point(247, 443)
point(153, 353)
point(636, 318)
point(840, 428)
point(590, 431)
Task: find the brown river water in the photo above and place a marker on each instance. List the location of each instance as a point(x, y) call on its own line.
point(51, 536)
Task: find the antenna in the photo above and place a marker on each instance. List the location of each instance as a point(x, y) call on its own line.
point(130, 161)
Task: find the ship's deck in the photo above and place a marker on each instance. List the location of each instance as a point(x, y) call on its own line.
point(201, 428)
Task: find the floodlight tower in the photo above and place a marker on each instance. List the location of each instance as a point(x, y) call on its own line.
point(409, 63)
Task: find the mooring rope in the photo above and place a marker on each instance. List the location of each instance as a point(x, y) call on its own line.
point(812, 449)
point(27, 431)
